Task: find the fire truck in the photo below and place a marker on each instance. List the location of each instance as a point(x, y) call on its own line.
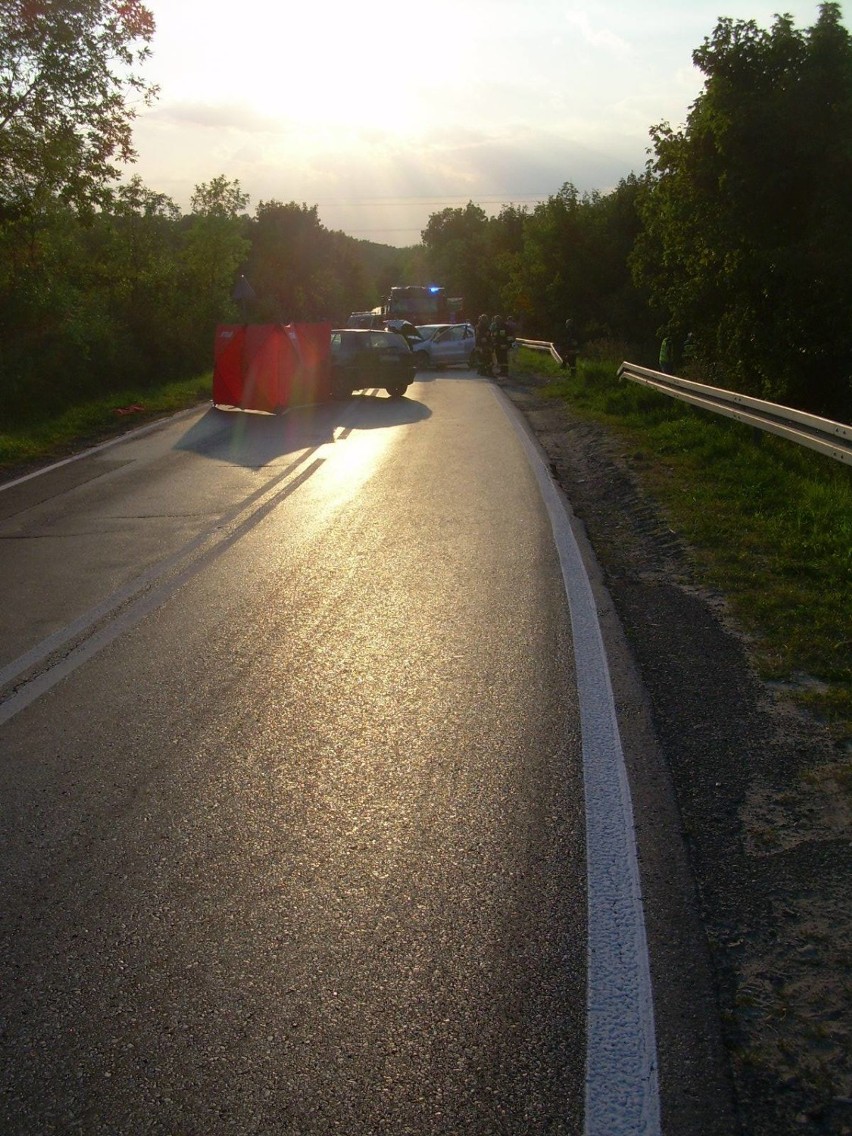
point(419, 304)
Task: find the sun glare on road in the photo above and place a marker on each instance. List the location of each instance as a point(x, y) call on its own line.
point(351, 460)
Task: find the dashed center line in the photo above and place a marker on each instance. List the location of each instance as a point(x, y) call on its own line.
point(56, 656)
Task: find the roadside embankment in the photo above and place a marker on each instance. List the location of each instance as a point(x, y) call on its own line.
point(763, 786)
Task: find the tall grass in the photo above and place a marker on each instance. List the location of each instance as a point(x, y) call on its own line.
point(39, 440)
point(769, 524)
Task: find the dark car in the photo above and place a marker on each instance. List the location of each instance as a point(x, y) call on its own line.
point(362, 358)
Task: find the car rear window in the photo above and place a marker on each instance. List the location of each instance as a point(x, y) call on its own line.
point(389, 339)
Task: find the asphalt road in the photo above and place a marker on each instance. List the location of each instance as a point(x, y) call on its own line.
point(292, 805)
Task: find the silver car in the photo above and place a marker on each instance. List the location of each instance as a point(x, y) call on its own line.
point(443, 345)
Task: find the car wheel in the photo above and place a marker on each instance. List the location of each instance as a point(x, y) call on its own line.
point(421, 361)
point(397, 390)
point(340, 389)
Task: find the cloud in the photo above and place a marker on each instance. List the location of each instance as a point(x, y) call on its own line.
point(385, 187)
point(215, 116)
point(601, 38)
point(389, 193)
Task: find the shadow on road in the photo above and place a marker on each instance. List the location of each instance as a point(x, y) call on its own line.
point(254, 440)
point(377, 412)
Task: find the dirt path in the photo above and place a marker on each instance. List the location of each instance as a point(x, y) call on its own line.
point(768, 838)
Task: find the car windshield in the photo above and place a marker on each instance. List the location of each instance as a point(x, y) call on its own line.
point(430, 330)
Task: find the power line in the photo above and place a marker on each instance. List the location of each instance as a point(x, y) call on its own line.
point(385, 202)
point(357, 232)
point(492, 199)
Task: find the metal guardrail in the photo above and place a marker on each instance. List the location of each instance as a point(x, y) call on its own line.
point(540, 345)
point(833, 439)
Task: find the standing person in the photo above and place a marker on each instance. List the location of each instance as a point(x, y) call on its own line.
point(667, 355)
point(484, 346)
point(688, 352)
point(569, 347)
point(244, 296)
point(502, 343)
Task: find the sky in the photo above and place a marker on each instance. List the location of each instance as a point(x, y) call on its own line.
point(381, 115)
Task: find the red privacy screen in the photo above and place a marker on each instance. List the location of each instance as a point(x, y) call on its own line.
point(271, 366)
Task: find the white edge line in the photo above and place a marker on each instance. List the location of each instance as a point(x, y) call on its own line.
point(622, 1090)
point(102, 446)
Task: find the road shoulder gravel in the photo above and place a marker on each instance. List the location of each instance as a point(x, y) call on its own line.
point(752, 991)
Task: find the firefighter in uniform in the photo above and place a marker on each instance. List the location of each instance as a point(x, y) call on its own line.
point(667, 355)
point(484, 346)
point(569, 347)
point(502, 343)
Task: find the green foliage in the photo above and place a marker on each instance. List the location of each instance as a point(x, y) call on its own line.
point(457, 256)
point(67, 68)
point(299, 270)
point(574, 263)
point(214, 245)
point(569, 256)
point(292, 263)
point(219, 198)
point(131, 293)
point(53, 435)
point(747, 214)
point(128, 294)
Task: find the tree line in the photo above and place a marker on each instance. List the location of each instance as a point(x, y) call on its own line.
point(739, 229)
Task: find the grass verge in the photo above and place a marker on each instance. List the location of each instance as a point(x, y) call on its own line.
point(769, 524)
point(29, 444)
